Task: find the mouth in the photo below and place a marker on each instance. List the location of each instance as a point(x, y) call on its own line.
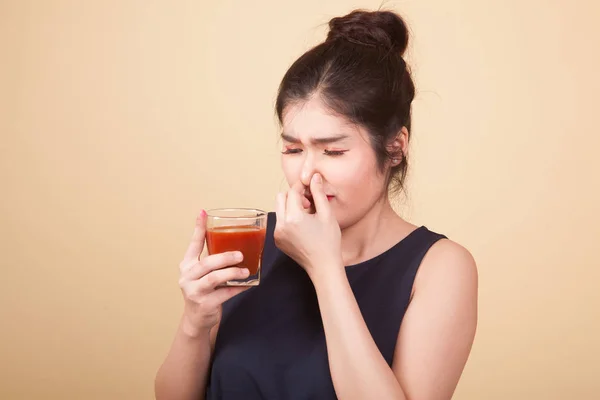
point(311, 208)
point(309, 196)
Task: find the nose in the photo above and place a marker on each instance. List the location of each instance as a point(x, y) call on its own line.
point(308, 170)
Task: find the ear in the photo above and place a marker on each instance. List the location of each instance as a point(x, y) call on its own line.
point(397, 147)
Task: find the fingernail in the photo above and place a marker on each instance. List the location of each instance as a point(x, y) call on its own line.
point(203, 213)
point(245, 272)
point(317, 178)
point(238, 256)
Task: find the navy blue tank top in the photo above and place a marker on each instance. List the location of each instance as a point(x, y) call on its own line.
point(271, 342)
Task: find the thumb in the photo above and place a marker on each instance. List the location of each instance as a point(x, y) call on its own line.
point(319, 197)
point(197, 242)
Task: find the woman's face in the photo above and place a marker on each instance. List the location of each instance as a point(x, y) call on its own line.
point(316, 140)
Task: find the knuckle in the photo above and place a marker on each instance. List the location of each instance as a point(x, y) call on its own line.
point(188, 295)
point(231, 257)
point(214, 262)
point(211, 280)
point(200, 265)
point(292, 219)
point(184, 265)
point(194, 298)
point(182, 282)
point(187, 265)
point(226, 273)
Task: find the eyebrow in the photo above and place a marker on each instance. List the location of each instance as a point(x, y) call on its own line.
point(323, 140)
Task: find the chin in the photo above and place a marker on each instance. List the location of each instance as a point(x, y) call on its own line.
point(347, 218)
point(342, 219)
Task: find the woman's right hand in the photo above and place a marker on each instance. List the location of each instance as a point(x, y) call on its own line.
point(202, 279)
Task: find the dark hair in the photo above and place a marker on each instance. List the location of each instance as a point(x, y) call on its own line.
point(359, 73)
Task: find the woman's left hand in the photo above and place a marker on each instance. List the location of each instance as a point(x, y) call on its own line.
point(312, 240)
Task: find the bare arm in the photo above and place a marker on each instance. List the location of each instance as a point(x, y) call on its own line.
point(434, 340)
point(358, 369)
point(184, 373)
point(439, 327)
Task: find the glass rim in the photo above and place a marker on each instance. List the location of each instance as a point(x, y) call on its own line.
point(211, 213)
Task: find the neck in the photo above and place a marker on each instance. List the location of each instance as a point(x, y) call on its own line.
point(361, 240)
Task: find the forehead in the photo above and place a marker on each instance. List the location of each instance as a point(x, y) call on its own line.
point(312, 119)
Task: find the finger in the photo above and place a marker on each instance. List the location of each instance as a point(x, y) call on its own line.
point(280, 206)
point(319, 197)
point(220, 277)
point(299, 187)
point(186, 265)
point(294, 203)
point(197, 243)
point(294, 198)
point(222, 294)
point(213, 262)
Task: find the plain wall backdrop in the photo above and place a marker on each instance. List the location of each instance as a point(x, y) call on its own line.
point(120, 120)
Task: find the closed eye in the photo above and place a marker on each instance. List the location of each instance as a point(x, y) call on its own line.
point(332, 153)
point(335, 152)
point(291, 151)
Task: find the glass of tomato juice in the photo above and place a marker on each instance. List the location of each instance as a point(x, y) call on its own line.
point(238, 229)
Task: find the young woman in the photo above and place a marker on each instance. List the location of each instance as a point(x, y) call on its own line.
point(354, 301)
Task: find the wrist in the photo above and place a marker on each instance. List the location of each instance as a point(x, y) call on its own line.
point(191, 331)
point(325, 273)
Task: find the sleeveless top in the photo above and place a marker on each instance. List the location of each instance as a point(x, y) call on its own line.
point(271, 342)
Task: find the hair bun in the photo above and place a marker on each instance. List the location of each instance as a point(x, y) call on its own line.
point(371, 28)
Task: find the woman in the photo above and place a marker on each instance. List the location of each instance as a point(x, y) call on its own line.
point(354, 301)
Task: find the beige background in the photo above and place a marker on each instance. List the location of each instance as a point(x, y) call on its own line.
point(119, 120)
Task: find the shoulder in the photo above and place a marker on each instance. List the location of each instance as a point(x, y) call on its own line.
point(449, 267)
point(439, 326)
